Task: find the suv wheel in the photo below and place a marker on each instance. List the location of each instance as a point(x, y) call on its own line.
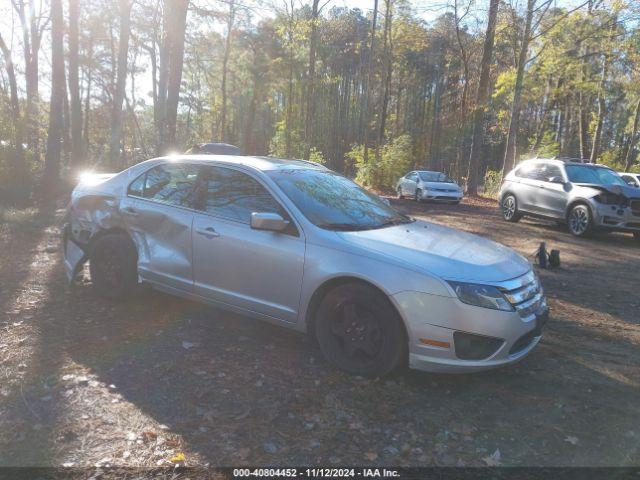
point(359, 331)
point(579, 220)
point(510, 209)
point(113, 266)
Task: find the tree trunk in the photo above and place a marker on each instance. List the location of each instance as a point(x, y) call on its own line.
point(87, 98)
point(628, 157)
point(51, 174)
point(77, 145)
point(512, 135)
point(368, 82)
point(310, 110)
point(117, 120)
point(481, 100)
point(388, 53)
point(176, 31)
point(597, 134)
point(225, 64)
point(17, 163)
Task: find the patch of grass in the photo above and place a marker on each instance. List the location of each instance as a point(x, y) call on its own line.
point(22, 217)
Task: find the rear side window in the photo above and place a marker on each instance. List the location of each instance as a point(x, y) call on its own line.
point(172, 183)
point(531, 171)
point(548, 171)
point(234, 195)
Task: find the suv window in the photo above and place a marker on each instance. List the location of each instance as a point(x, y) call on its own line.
point(532, 171)
point(413, 176)
point(234, 195)
point(548, 171)
point(172, 183)
point(630, 180)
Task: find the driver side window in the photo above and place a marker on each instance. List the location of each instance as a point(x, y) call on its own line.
point(233, 194)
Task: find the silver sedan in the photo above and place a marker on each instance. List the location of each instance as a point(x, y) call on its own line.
point(297, 245)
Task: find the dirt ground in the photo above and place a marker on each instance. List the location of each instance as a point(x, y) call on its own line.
point(161, 380)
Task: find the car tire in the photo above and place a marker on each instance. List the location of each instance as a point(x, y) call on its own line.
point(359, 331)
point(399, 195)
point(580, 220)
point(509, 207)
point(113, 266)
point(418, 195)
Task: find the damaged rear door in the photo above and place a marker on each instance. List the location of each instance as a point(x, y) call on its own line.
point(160, 220)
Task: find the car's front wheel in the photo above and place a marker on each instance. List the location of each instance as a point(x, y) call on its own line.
point(580, 221)
point(359, 331)
point(510, 209)
point(113, 266)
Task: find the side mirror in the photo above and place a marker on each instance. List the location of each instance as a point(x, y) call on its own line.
point(268, 221)
point(556, 179)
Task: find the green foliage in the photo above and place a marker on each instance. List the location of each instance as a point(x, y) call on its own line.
point(492, 182)
point(316, 155)
point(613, 158)
point(382, 169)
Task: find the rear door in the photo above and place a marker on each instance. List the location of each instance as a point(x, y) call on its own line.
point(552, 197)
point(410, 184)
point(259, 271)
point(528, 187)
point(160, 218)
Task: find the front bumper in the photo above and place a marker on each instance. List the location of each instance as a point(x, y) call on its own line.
point(432, 321)
point(443, 195)
point(74, 255)
point(615, 217)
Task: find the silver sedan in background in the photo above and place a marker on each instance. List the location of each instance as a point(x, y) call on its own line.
point(295, 244)
point(426, 185)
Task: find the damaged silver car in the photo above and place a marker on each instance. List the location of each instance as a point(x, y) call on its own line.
point(586, 197)
point(295, 244)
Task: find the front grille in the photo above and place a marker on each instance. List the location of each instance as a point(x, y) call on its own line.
point(635, 206)
point(527, 296)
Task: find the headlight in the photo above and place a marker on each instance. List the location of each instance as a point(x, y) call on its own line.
point(482, 296)
point(610, 199)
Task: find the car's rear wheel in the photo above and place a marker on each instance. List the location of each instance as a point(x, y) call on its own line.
point(113, 266)
point(510, 209)
point(399, 193)
point(359, 331)
point(418, 195)
point(580, 221)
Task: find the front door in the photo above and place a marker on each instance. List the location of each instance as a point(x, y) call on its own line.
point(259, 271)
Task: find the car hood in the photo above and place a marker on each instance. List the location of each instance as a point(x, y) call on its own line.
point(447, 185)
point(442, 251)
point(624, 190)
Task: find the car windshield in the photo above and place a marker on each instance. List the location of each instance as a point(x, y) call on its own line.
point(435, 177)
point(334, 202)
point(596, 175)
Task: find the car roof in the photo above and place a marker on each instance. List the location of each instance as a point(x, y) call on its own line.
point(427, 171)
point(557, 161)
point(255, 162)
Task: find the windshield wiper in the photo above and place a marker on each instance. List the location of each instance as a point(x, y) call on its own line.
point(344, 226)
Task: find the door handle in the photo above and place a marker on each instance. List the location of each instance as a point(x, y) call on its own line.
point(130, 211)
point(208, 232)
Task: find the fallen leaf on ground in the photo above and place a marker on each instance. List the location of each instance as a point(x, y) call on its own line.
point(178, 458)
point(572, 440)
point(492, 460)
